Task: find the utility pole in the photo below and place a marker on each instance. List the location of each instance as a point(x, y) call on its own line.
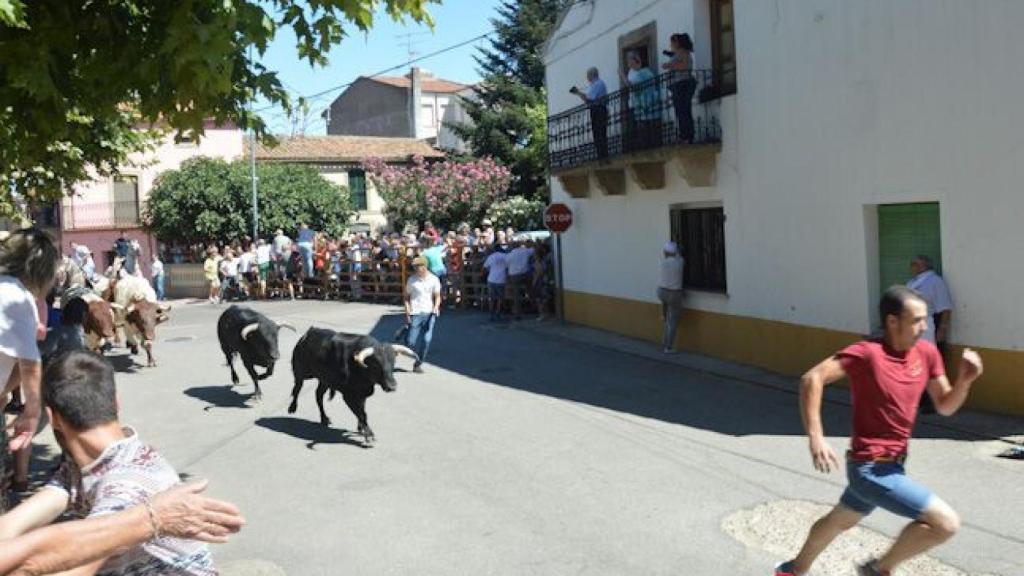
point(252, 166)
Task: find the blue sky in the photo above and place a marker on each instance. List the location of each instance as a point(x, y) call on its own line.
point(363, 55)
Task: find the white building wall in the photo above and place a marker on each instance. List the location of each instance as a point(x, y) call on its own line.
point(840, 106)
point(215, 143)
point(373, 216)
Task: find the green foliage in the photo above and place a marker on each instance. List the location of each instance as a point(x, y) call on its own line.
point(509, 107)
point(77, 77)
point(210, 199)
point(519, 213)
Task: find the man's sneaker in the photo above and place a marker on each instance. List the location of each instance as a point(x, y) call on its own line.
point(870, 568)
point(785, 569)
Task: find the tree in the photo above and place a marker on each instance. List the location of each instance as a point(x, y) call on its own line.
point(211, 199)
point(519, 213)
point(79, 78)
point(509, 106)
point(444, 193)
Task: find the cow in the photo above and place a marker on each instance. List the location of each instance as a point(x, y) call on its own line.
point(347, 363)
point(137, 309)
point(253, 337)
point(99, 322)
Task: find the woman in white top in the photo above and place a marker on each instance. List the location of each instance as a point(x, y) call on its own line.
point(28, 269)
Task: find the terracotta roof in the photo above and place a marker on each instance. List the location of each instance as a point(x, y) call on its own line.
point(427, 84)
point(344, 149)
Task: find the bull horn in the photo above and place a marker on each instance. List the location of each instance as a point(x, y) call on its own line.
point(361, 356)
point(130, 309)
point(405, 351)
point(116, 306)
point(250, 329)
point(288, 326)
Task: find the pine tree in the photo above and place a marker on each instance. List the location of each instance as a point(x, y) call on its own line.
point(509, 107)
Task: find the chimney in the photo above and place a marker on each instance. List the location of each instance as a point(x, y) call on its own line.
point(415, 96)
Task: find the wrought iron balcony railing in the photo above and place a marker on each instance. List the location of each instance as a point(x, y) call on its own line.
point(671, 109)
point(92, 215)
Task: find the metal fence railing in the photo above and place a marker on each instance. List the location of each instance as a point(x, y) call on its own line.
point(672, 109)
point(91, 215)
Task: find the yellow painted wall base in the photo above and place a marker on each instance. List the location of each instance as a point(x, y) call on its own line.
point(777, 346)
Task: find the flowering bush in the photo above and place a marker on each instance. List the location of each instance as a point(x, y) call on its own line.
point(443, 192)
point(519, 213)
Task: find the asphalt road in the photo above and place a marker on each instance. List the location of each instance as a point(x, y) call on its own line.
point(522, 452)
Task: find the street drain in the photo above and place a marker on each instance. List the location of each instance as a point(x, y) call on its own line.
point(779, 528)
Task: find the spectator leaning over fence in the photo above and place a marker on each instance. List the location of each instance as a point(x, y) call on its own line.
point(422, 307)
point(262, 266)
point(435, 256)
point(487, 234)
point(212, 274)
point(106, 469)
point(156, 272)
point(28, 269)
point(670, 292)
point(519, 275)
point(229, 273)
point(596, 99)
point(497, 276)
point(682, 84)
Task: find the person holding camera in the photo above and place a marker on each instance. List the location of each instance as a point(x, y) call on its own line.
point(682, 84)
point(596, 99)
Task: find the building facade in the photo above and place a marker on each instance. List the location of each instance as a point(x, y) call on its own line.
point(833, 142)
point(99, 211)
point(340, 160)
point(382, 106)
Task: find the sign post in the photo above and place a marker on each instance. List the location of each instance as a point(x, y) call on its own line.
point(558, 219)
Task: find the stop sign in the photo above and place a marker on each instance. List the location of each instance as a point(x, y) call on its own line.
point(558, 218)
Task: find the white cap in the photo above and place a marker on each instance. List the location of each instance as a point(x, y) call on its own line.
point(671, 248)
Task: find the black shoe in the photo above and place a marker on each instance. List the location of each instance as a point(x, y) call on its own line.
point(869, 568)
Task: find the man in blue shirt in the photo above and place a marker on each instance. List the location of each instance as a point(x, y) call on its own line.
point(596, 98)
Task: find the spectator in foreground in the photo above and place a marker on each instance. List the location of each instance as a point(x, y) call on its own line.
point(106, 469)
point(496, 266)
point(670, 292)
point(422, 307)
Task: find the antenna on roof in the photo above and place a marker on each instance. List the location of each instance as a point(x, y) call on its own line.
point(407, 39)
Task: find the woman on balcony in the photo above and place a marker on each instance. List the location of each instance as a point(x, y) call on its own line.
point(682, 84)
point(645, 124)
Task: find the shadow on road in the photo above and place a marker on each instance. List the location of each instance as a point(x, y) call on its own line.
point(124, 363)
point(219, 396)
point(506, 355)
point(312, 432)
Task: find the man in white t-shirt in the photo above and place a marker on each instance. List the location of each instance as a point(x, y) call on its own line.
point(229, 270)
point(28, 269)
point(670, 292)
point(263, 265)
point(422, 307)
point(519, 274)
point(497, 275)
point(933, 289)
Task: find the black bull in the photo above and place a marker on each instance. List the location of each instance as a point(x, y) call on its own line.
point(351, 364)
point(253, 337)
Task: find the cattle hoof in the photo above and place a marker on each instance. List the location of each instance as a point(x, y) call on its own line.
point(134, 350)
point(325, 421)
point(292, 408)
point(151, 364)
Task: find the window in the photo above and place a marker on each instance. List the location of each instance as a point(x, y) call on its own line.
point(427, 116)
point(357, 188)
point(700, 234)
point(723, 46)
point(642, 40)
point(125, 190)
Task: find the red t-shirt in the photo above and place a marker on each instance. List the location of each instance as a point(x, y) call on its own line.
point(886, 387)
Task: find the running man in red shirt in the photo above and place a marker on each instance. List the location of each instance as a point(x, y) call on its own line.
point(887, 377)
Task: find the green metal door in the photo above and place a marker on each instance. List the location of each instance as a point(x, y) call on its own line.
point(904, 231)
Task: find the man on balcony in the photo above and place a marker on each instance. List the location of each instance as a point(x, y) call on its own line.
point(596, 99)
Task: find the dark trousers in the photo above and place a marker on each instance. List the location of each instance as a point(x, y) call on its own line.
point(599, 125)
point(682, 102)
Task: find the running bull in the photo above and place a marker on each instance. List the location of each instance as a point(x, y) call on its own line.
point(253, 337)
point(351, 364)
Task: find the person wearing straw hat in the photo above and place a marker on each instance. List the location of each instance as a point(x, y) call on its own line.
point(670, 292)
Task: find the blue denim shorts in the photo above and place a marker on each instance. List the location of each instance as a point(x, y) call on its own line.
point(883, 485)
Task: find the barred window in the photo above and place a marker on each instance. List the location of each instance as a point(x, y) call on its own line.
point(700, 234)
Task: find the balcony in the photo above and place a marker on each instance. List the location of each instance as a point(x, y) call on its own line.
point(101, 215)
point(642, 130)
